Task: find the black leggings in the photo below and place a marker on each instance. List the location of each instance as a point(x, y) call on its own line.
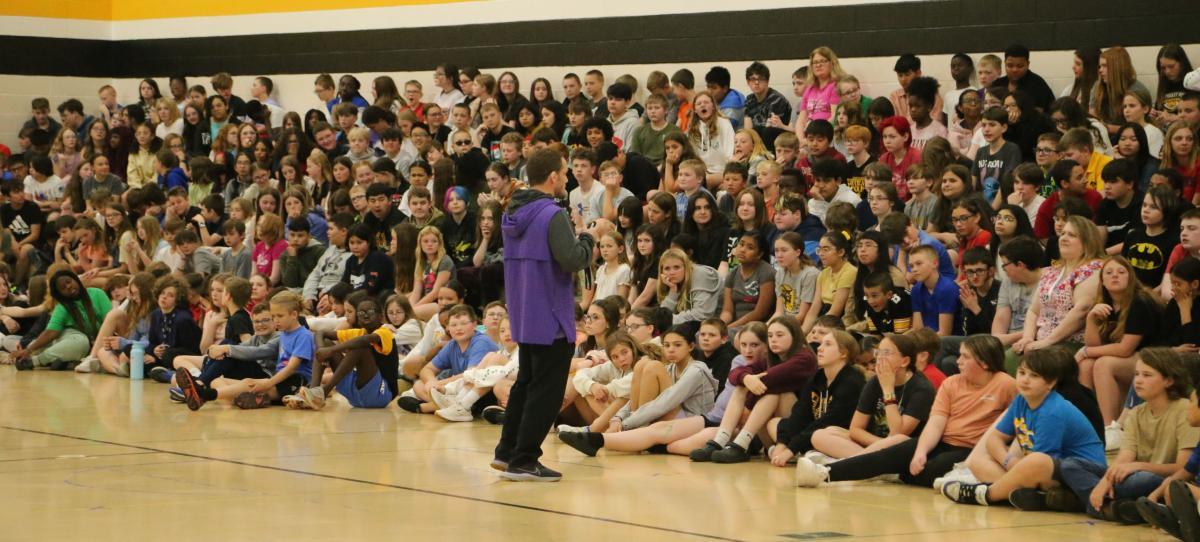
point(895, 460)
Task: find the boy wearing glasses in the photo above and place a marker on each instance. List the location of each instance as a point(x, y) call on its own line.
point(978, 292)
point(763, 101)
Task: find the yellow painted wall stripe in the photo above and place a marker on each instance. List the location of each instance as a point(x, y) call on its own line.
point(132, 10)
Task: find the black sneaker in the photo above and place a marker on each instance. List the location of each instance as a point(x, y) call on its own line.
point(161, 374)
point(579, 441)
point(60, 365)
point(493, 414)
point(705, 453)
point(1183, 504)
point(1159, 515)
point(1123, 511)
point(1061, 499)
point(409, 403)
point(731, 453)
point(1028, 499)
point(534, 472)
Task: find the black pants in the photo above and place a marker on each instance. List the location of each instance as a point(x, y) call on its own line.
point(230, 368)
point(895, 460)
point(535, 400)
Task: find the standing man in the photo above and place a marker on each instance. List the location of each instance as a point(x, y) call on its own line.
point(542, 253)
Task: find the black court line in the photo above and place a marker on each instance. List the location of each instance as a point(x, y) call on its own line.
point(377, 484)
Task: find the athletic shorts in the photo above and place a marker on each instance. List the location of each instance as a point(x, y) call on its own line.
point(374, 394)
point(290, 386)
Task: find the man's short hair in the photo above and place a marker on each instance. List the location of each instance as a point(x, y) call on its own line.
point(1023, 250)
point(460, 310)
point(718, 76)
point(1077, 138)
point(684, 78)
point(71, 105)
point(620, 91)
point(819, 128)
point(907, 62)
point(759, 69)
point(828, 168)
point(541, 164)
point(1016, 50)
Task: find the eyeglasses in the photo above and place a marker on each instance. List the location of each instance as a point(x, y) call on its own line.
point(591, 317)
point(634, 327)
point(755, 79)
point(962, 219)
point(1046, 150)
point(974, 272)
point(819, 62)
point(1004, 218)
point(367, 312)
point(884, 352)
point(878, 198)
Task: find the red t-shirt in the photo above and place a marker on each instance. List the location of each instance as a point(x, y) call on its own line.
point(935, 375)
point(1043, 226)
point(911, 158)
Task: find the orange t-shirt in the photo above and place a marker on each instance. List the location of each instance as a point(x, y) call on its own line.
point(970, 411)
point(685, 113)
point(93, 256)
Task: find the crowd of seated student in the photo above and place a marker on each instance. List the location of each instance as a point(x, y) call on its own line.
point(799, 281)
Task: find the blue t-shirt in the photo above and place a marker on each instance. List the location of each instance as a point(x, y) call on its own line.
point(1055, 428)
point(299, 343)
point(945, 266)
point(458, 360)
point(942, 300)
point(1193, 462)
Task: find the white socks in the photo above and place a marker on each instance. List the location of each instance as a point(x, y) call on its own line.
point(743, 439)
point(722, 438)
point(468, 398)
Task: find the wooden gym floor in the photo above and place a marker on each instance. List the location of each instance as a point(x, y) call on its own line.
point(100, 458)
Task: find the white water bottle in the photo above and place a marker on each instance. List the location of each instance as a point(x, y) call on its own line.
point(137, 361)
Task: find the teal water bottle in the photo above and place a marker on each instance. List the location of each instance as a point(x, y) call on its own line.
point(137, 361)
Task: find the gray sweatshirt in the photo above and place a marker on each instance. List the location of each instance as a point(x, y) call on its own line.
point(702, 298)
point(259, 349)
point(695, 391)
point(329, 270)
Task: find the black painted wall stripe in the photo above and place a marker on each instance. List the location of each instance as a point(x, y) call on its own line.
point(930, 27)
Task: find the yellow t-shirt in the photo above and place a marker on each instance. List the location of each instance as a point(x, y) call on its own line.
point(1094, 168)
point(831, 283)
point(383, 348)
point(1159, 439)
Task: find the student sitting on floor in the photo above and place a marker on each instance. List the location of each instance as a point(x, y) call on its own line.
point(364, 361)
point(965, 406)
point(827, 400)
point(231, 366)
point(1173, 504)
point(1157, 442)
point(497, 370)
point(1047, 430)
point(763, 390)
point(680, 397)
point(603, 389)
point(466, 348)
point(893, 406)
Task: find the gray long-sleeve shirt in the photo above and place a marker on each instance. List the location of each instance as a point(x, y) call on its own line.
point(702, 298)
point(695, 392)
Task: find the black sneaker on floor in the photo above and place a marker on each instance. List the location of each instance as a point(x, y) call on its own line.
point(411, 404)
point(161, 374)
point(1123, 511)
point(1028, 499)
point(731, 453)
point(579, 441)
point(60, 365)
point(493, 414)
point(1159, 515)
point(705, 453)
point(1061, 499)
point(534, 472)
point(1183, 504)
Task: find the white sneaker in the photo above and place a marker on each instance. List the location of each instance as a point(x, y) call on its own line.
point(1113, 437)
point(455, 413)
point(960, 473)
point(819, 458)
point(442, 400)
point(809, 474)
point(313, 397)
point(564, 428)
point(89, 364)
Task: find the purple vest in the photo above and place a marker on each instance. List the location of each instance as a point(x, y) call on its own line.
point(540, 295)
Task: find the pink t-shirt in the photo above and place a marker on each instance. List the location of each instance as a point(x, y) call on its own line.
point(264, 258)
point(819, 102)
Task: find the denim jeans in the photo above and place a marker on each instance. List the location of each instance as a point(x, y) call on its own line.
point(1081, 476)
